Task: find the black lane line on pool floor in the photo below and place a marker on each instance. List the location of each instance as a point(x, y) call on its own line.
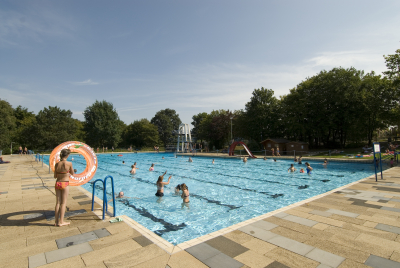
point(193, 195)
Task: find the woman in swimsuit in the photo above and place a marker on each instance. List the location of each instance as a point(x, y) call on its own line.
point(62, 171)
point(185, 193)
point(151, 168)
point(309, 168)
point(160, 184)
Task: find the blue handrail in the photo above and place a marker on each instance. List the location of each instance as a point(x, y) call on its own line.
point(105, 205)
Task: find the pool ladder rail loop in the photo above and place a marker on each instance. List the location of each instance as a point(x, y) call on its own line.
point(105, 203)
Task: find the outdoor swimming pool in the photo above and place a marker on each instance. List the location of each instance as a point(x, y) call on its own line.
point(221, 195)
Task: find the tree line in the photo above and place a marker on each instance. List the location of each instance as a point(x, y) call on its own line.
point(332, 109)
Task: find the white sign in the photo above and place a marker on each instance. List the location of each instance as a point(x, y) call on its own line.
point(377, 148)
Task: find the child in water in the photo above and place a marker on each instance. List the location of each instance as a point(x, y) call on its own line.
point(152, 167)
point(302, 170)
point(291, 169)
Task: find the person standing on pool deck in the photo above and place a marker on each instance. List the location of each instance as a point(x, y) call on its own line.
point(62, 170)
point(277, 151)
point(272, 151)
point(20, 150)
point(160, 184)
point(309, 168)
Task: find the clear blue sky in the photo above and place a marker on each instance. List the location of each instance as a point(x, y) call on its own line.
point(191, 56)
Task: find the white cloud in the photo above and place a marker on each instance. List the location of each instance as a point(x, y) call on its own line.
point(88, 82)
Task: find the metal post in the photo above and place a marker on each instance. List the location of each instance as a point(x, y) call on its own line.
point(294, 153)
point(42, 160)
point(329, 153)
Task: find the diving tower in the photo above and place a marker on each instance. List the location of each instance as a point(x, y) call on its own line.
point(184, 143)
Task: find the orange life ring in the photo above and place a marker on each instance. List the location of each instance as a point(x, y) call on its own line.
point(86, 151)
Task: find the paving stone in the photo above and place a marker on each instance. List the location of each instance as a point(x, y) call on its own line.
point(300, 220)
point(143, 241)
point(343, 213)
point(323, 266)
point(391, 209)
point(388, 228)
point(76, 239)
point(321, 213)
point(221, 261)
point(103, 232)
point(324, 257)
point(257, 232)
point(68, 252)
point(388, 189)
point(378, 262)
point(239, 236)
point(80, 197)
point(85, 202)
point(183, 259)
point(227, 246)
point(291, 259)
point(50, 214)
point(264, 225)
point(291, 245)
point(277, 264)
point(281, 215)
point(33, 216)
point(37, 260)
point(203, 251)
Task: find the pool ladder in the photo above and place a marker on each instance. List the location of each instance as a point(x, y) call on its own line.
point(105, 203)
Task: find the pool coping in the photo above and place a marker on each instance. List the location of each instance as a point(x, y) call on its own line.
point(172, 249)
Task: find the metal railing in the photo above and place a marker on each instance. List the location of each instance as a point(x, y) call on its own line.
point(105, 203)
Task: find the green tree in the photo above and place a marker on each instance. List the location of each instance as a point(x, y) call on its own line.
point(53, 126)
point(7, 124)
point(141, 133)
point(166, 121)
point(261, 114)
point(197, 118)
point(393, 65)
point(379, 100)
point(80, 133)
point(25, 134)
point(102, 125)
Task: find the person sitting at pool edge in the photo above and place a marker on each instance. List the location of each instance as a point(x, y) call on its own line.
point(152, 167)
point(185, 193)
point(309, 168)
point(2, 161)
point(291, 169)
point(160, 184)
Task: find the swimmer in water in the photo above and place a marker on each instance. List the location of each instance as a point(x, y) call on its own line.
point(133, 170)
point(160, 184)
point(265, 158)
point(190, 159)
point(325, 163)
point(177, 189)
point(300, 160)
point(75, 171)
point(213, 161)
point(245, 160)
point(163, 157)
point(291, 169)
point(151, 168)
point(308, 168)
point(185, 193)
point(123, 162)
point(274, 160)
point(302, 170)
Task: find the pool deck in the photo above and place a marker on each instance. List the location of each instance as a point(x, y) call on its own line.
point(353, 226)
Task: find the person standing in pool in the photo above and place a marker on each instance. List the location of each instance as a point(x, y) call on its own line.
point(213, 162)
point(309, 168)
point(62, 170)
point(190, 159)
point(152, 167)
point(300, 160)
point(291, 169)
point(133, 170)
point(185, 193)
point(245, 159)
point(160, 184)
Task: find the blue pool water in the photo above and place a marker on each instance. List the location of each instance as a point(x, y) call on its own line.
point(221, 195)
